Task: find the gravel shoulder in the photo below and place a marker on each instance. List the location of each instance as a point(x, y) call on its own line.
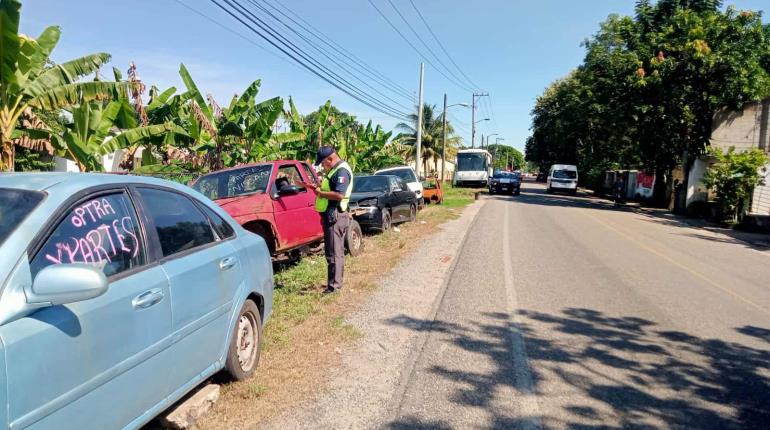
point(360, 390)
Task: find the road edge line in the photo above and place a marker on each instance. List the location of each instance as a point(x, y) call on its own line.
point(523, 376)
point(396, 403)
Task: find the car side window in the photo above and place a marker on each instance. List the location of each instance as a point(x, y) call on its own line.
point(290, 175)
point(222, 227)
point(394, 186)
point(179, 223)
point(309, 173)
point(102, 231)
point(410, 176)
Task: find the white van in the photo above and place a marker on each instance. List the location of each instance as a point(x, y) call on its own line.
point(562, 177)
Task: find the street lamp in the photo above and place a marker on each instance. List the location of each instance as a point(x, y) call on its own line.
point(473, 144)
point(493, 134)
point(443, 143)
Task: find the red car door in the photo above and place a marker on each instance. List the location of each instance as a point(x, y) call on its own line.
point(316, 230)
point(291, 211)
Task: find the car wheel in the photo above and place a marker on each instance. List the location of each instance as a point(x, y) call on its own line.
point(354, 239)
point(412, 213)
point(549, 190)
point(386, 220)
point(246, 343)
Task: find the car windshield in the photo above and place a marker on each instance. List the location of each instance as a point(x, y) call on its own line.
point(15, 205)
point(405, 175)
point(504, 174)
point(471, 162)
point(370, 184)
point(564, 174)
point(233, 183)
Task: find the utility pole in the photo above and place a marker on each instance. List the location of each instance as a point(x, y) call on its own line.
point(473, 117)
point(443, 145)
point(481, 145)
point(418, 156)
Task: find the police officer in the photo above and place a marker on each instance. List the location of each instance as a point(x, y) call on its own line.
point(332, 199)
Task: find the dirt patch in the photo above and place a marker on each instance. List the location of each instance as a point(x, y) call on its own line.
point(307, 335)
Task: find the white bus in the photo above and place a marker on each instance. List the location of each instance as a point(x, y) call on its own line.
point(473, 169)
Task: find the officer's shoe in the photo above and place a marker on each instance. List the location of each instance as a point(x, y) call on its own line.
point(329, 290)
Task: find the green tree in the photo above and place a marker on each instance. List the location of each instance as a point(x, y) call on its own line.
point(734, 176)
point(506, 154)
point(27, 81)
point(647, 91)
point(432, 143)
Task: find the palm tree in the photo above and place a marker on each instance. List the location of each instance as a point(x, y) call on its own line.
point(432, 136)
point(27, 81)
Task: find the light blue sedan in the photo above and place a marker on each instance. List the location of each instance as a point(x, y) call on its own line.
point(118, 295)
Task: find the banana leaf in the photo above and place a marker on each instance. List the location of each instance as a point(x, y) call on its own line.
point(73, 94)
point(195, 93)
point(137, 135)
point(65, 74)
point(9, 44)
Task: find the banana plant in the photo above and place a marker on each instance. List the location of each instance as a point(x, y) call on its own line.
point(94, 132)
point(240, 134)
point(26, 80)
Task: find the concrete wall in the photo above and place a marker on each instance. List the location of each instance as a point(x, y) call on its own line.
point(743, 130)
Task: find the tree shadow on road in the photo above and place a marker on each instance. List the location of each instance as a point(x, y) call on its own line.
point(591, 370)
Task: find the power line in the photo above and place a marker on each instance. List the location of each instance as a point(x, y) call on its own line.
point(333, 80)
point(393, 26)
point(436, 57)
point(344, 53)
point(441, 45)
point(230, 30)
point(326, 54)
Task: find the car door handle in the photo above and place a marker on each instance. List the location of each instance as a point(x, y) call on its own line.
point(227, 263)
point(148, 298)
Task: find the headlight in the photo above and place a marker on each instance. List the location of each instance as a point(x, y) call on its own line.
point(368, 202)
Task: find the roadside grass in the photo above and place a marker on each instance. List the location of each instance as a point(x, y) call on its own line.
point(307, 332)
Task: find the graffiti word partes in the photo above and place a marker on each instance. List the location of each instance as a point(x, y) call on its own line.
point(101, 244)
point(92, 211)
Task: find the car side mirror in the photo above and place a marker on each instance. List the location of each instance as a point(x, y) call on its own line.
point(288, 191)
point(61, 284)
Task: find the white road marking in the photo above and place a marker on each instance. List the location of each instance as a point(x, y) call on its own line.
point(528, 401)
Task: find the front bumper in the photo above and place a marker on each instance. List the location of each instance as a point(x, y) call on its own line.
point(367, 216)
point(566, 186)
point(504, 188)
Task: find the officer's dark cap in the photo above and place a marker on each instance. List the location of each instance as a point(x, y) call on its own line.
point(323, 153)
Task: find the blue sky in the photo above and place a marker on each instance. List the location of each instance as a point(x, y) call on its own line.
point(513, 48)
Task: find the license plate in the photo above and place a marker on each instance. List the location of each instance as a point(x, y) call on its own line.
point(505, 181)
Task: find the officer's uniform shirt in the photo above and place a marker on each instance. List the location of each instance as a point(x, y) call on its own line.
point(339, 183)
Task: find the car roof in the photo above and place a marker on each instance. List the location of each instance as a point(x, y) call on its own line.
point(67, 184)
point(564, 166)
point(390, 169)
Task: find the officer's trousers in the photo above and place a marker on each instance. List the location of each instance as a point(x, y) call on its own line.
point(334, 248)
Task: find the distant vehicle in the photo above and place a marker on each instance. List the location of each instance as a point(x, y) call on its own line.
point(542, 177)
point(406, 174)
point(474, 167)
point(505, 182)
point(121, 294)
point(432, 191)
point(562, 177)
point(265, 198)
point(379, 201)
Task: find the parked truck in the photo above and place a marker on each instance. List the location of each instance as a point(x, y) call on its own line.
point(267, 199)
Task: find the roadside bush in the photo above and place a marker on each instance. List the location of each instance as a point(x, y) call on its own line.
point(734, 177)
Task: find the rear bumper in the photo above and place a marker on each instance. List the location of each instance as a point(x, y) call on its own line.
point(504, 188)
point(475, 184)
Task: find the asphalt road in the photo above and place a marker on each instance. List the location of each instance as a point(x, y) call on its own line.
point(565, 312)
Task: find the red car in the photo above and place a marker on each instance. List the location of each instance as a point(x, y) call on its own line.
point(266, 198)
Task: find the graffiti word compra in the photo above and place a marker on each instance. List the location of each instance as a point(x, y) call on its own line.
point(100, 244)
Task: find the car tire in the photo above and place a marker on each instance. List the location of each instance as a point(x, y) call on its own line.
point(387, 221)
point(412, 213)
point(246, 343)
point(354, 239)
